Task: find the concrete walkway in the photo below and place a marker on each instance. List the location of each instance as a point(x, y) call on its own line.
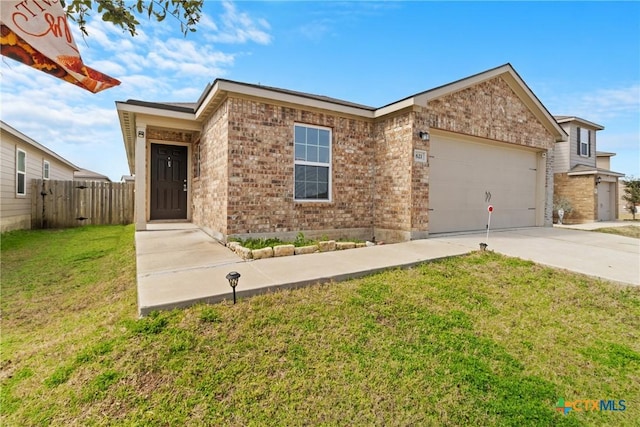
point(179, 265)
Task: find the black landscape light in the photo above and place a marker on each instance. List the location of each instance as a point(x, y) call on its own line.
point(233, 282)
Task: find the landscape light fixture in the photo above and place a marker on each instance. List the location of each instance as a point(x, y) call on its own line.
point(233, 282)
point(423, 135)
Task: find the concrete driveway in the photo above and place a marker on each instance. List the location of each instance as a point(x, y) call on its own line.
point(179, 265)
point(608, 256)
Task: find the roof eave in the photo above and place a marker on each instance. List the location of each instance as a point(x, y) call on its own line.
point(161, 115)
point(567, 119)
point(596, 171)
point(222, 88)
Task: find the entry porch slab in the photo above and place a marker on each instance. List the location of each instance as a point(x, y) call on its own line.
point(180, 265)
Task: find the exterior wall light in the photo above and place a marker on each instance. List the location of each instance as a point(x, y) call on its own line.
point(598, 180)
point(233, 282)
point(423, 135)
point(140, 134)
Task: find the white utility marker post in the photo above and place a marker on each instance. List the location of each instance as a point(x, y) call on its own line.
point(483, 246)
point(490, 209)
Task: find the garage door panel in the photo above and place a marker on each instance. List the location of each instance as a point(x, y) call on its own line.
point(463, 173)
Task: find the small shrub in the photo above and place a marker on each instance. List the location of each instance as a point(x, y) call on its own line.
point(302, 241)
point(260, 243)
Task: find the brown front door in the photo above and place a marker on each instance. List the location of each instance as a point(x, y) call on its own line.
point(168, 182)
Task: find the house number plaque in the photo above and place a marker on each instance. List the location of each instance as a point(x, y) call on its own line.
point(420, 156)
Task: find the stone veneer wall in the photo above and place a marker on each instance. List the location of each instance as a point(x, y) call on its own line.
point(580, 191)
point(261, 175)
point(549, 186)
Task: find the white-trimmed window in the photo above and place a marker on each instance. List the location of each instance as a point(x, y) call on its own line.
point(21, 172)
point(584, 140)
point(312, 148)
point(46, 169)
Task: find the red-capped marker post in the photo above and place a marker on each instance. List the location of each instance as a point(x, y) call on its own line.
point(483, 246)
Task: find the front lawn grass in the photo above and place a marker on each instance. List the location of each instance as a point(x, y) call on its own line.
point(626, 230)
point(479, 340)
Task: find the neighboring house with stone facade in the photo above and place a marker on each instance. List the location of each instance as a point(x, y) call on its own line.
point(24, 159)
point(251, 160)
point(582, 174)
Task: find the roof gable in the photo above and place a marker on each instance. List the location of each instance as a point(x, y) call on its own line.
point(508, 74)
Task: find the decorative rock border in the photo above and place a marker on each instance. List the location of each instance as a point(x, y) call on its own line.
point(289, 250)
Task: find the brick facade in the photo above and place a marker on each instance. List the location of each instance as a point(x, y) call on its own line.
point(210, 189)
point(242, 180)
point(490, 110)
point(579, 190)
point(253, 145)
point(246, 183)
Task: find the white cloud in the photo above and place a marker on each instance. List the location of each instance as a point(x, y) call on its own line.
point(316, 30)
point(613, 102)
point(152, 66)
point(601, 105)
point(237, 27)
point(109, 68)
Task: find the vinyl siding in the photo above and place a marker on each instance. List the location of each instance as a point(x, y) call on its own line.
point(575, 158)
point(566, 152)
point(603, 162)
point(15, 210)
point(561, 159)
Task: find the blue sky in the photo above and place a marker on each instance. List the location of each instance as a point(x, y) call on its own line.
point(579, 58)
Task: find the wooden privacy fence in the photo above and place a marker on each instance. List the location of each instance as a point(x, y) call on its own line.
point(61, 204)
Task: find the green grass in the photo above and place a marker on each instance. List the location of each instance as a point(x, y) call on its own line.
point(476, 340)
point(627, 230)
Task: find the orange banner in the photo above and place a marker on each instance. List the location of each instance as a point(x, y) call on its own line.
point(36, 33)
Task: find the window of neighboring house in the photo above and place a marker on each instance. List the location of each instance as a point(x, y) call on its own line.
point(21, 172)
point(584, 139)
point(312, 151)
point(46, 167)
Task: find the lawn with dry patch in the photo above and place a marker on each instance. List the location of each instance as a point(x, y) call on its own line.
point(481, 339)
point(626, 230)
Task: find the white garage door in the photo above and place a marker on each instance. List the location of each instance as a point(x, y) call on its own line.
point(466, 177)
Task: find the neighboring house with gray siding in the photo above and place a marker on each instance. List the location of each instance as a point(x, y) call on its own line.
point(582, 174)
point(23, 160)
